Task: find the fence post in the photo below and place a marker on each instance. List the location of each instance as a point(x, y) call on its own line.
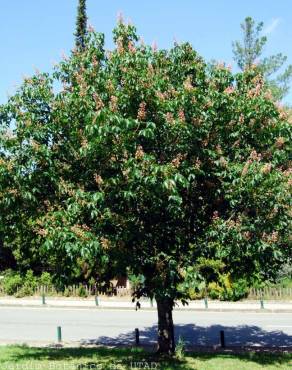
point(222, 338)
point(59, 333)
point(43, 299)
point(137, 337)
point(206, 302)
point(96, 301)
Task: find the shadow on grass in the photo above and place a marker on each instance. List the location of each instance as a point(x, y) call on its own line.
point(105, 358)
point(93, 358)
point(200, 339)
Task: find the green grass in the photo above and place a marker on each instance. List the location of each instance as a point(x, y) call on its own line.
point(22, 357)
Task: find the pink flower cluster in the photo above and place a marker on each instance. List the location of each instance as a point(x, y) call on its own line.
point(229, 90)
point(141, 115)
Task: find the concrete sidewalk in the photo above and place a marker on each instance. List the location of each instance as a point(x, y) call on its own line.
point(114, 303)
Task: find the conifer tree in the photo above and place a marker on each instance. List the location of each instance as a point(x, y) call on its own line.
point(81, 24)
point(249, 52)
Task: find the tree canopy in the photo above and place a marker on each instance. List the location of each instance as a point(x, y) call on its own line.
point(147, 162)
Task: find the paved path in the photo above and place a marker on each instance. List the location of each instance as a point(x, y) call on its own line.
point(116, 326)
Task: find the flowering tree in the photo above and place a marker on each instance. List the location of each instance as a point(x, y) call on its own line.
point(147, 162)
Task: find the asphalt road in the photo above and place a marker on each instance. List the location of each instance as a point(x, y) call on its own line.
point(25, 325)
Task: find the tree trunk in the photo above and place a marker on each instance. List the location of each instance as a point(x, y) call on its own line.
point(166, 343)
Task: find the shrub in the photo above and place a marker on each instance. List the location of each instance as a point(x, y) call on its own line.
point(240, 289)
point(24, 291)
point(11, 283)
point(30, 281)
point(226, 290)
point(66, 292)
point(14, 283)
point(45, 279)
point(215, 290)
point(81, 292)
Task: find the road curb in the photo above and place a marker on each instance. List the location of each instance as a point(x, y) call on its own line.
point(47, 306)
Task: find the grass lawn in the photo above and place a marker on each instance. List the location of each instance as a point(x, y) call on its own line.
point(22, 357)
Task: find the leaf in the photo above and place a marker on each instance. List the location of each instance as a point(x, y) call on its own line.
point(169, 184)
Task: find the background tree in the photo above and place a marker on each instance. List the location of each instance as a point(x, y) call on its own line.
point(249, 52)
point(148, 163)
point(81, 24)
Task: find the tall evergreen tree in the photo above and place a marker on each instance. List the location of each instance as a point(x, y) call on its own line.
point(249, 52)
point(81, 24)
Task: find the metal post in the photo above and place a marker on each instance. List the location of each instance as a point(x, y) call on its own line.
point(222, 338)
point(59, 333)
point(137, 337)
point(206, 302)
point(262, 304)
point(96, 301)
point(43, 299)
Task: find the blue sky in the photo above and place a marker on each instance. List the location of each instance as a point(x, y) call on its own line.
point(35, 33)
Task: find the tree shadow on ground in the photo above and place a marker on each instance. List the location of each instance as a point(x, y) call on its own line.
point(193, 336)
point(92, 358)
point(200, 339)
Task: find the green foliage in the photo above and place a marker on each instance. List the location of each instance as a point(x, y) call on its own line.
point(286, 283)
point(81, 292)
point(240, 289)
point(180, 348)
point(11, 283)
point(226, 290)
point(30, 280)
point(81, 25)
point(215, 291)
point(122, 358)
point(45, 279)
point(249, 53)
point(137, 282)
point(24, 291)
point(67, 292)
point(147, 162)
point(210, 278)
point(285, 273)
point(19, 285)
point(29, 283)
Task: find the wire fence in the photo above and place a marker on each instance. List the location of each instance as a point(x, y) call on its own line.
point(82, 290)
point(271, 293)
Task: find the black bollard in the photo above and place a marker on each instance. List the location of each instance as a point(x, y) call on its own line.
point(137, 337)
point(222, 338)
